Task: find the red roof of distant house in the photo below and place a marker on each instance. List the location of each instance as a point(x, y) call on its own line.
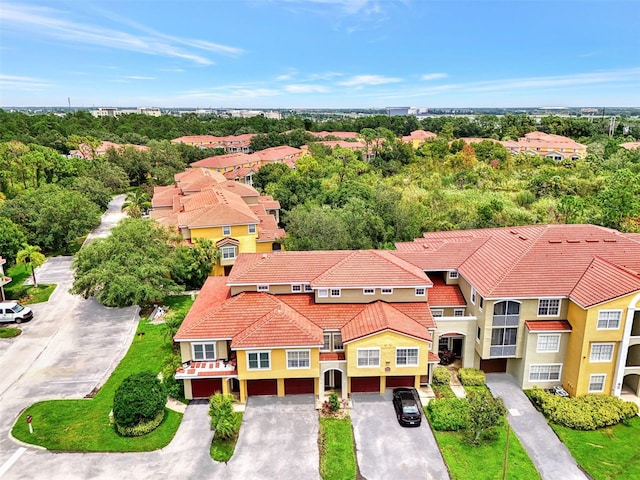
point(630, 145)
point(223, 161)
point(342, 135)
point(548, 325)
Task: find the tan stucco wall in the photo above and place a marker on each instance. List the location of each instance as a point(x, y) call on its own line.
point(467, 328)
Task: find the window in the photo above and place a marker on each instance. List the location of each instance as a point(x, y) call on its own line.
point(478, 332)
point(263, 288)
point(296, 288)
point(332, 342)
point(226, 230)
point(609, 319)
point(473, 295)
point(298, 359)
point(386, 291)
point(323, 293)
point(307, 288)
point(335, 292)
point(453, 275)
point(601, 352)
point(506, 314)
point(420, 292)
point(406, 357)
point(458, 312)
point(438, 312)
point(596, 382)
point(228, 253)
point(368, 357)
point(204, 351)
point(545, 373)
point(548, 307)
point(503, 342)
point(258, 360)
point(548, 343)
point(481, 301)
point(252, 228)
point(368, 291)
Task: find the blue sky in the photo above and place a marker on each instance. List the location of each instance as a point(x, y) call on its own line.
point(320, 53)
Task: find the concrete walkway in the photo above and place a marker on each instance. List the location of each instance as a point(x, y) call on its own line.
point(456, 386)
point(550, 456)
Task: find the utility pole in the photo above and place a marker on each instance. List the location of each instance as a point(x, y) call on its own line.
point(69, 101)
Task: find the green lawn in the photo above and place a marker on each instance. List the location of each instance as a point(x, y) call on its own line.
point(15, 290)
point(485, 462)
point(9, 332)
point(222, 450)
point(337, 455)
point(443, 391)
point(83, 425)
point(611, 453)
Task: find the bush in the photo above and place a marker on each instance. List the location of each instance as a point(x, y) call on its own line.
point(142, 428)
point(587, 412)
point(138, 402)
point(224, 420)
point(471, 377)
point(441, 376)
point(448, 413)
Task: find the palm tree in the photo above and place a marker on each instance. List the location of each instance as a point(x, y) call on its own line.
point(137, 203)
point(31, 254)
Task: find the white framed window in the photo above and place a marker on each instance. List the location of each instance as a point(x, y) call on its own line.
point(386, 291)
point(609, 319)
point(601, 352)
point(458, 312)
point(323, 293)
point(478, 332)
point(308, 289)
point(545, 372)
point(204, 351)
point(368, 291)
point(251, 228)
point(298, 359)
point(453, 275)
point(437, 312)
point(368, 357)
point(481, 304)
point(548, 342)
point(407, 357)
point(335, 292)
point(332, 342)
point(228, 252)
point(296, 288)
point(473, 295)
point(263, 288)
point(596, 382)
point(421, 291)
point(549, 307)
point(226, 230)
point(259, 360)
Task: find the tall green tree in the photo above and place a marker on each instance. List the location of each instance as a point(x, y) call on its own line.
point(485, 413)
point(11, 239)
point(31, 255)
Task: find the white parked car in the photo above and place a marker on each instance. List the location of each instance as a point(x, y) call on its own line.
point(11, 311)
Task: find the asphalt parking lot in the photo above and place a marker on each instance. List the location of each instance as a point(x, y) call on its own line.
point(385, 449)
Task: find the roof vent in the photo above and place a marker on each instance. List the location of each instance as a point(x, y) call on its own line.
point(555, 241)
point(610, 240)
point(592, 240)
point(573, 241)
point(522, 237)
point(513, 232)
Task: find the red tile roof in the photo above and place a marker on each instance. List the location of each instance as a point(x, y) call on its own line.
point(548, 325)
point(331, 356)
point(443, 295)
point(343, 135)
point(433, 358)
point(224, 161)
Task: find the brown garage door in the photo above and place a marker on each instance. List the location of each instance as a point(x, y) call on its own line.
point(365, 384)
point(297, 386)
point(262, 387)
point(408, 381)
point(496, 365)
point(206, 387)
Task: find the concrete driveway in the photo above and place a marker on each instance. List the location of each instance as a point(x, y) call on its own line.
point(278, 440)
point(385, 449)
point(547, 452)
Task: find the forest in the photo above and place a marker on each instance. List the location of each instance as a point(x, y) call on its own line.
point(334, 199)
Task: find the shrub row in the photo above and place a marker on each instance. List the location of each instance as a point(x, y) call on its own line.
point(448, 413)
point(587, 412)
point(141, 428)
point(441, 376)
point(471, 377)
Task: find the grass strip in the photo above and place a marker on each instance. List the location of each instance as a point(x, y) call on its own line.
point(222, 449)
point(337, 455)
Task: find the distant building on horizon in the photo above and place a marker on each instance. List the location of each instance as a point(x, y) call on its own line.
point(397, 111)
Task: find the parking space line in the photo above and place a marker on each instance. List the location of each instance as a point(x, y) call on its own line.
point(9, 463)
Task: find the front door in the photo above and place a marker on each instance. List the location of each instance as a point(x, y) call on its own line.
point(457, 346)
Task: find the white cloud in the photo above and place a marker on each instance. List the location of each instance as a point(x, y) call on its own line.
point(350, 7)
point(30, 84)
point(306, 88)
point(362, 80)
point(138, 77)
point(433, 76)
point(51, 22)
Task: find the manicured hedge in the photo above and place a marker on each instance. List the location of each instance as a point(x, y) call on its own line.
point(138, 402)
point(587, 412)
point(448, 413)
point(441, 376)
point(471, 377)
point(141, 428)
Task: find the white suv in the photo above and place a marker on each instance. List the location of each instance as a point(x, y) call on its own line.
point(11, 311)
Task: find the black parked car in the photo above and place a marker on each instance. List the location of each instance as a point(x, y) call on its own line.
point(407, 405)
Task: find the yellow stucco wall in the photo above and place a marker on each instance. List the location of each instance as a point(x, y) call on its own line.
point(278, 367)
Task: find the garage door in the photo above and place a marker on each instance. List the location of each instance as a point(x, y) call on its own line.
point(408, 381)
point(206, 387)
point(262, 387)
point(297, 386)
point(496, 365)
point(365, 385)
